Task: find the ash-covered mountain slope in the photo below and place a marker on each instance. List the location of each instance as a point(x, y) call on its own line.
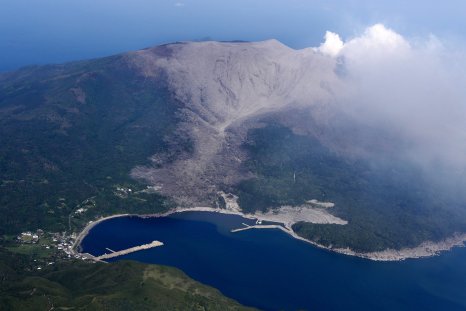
point(185, 123)
point(226, 88)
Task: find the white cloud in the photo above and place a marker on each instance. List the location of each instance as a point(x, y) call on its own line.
point(376, 44)
point(414, 88)
point(332, 45)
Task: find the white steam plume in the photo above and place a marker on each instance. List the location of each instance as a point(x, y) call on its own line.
point(416, 89)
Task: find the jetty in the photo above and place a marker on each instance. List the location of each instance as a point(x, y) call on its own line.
point(129, 250)
point(260, 227)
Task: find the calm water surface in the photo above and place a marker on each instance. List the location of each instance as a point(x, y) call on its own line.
point(270, 270)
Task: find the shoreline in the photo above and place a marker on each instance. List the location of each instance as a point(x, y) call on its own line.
point(76, 248)
point(424, 250)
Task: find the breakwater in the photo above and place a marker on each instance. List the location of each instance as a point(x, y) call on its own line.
point(260, 227)
point(129, 250)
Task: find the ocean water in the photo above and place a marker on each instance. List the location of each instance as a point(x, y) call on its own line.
point(270, 270)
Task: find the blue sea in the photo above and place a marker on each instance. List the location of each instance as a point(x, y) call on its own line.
point(270, 270)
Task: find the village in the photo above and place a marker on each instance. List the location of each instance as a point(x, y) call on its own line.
point(46, 248)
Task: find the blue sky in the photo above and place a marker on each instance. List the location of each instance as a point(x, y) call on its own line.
point(51, 31)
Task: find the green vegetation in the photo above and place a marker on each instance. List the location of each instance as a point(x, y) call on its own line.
point(70, 136)
point(124, 285)
point(72, 132)
point(33, 250)
point(386, 204)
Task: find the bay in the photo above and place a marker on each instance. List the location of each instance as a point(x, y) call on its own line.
point(270, 270)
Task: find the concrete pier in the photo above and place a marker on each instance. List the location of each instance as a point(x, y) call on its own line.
point(129, 250)
point(260, 227)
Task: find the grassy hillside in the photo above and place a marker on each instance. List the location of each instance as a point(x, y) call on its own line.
point(124, 285)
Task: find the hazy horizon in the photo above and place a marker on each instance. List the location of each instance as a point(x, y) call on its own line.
point(52, 31)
